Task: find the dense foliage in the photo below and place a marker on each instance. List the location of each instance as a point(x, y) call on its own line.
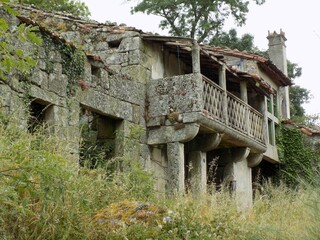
point(197, 19)
point(231, 40)
point(298, 158)
point(13, 59)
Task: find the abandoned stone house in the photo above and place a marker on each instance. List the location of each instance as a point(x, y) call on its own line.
point(208, 115)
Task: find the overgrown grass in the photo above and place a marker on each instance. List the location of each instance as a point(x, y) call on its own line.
point(44, 195)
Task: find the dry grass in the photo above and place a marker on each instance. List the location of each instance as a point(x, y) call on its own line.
point(43, 196)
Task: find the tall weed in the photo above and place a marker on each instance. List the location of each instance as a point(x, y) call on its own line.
point(45, 195)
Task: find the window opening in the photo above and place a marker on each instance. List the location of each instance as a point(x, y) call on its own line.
point(95, 71)
point(98, 139)
point(275, 105)
point(39, 114)
point(115, 43)
point(269, 105)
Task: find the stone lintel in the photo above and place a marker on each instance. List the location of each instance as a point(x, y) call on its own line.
point(166, 134)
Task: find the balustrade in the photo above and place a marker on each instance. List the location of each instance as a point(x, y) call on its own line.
point(240, 116)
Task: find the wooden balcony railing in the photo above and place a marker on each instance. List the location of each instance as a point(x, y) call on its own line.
point(239, 115)
point(213, 99)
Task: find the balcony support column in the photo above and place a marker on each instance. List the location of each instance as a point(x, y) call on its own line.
point(197, 172)
point(239, 177)
point(196, 58)
point(197, 161)
point(223, 85)
point(175, 183)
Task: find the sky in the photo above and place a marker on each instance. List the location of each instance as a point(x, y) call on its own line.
point(300, 20)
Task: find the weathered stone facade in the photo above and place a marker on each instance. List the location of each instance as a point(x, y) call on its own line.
point(191, 104)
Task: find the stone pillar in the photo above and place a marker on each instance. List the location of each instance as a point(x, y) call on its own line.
point(278, 55)
point(196, 58)
point(238, 176)
point(223, 85)
point(197, 159)
point(198, 172)
point(175, 183)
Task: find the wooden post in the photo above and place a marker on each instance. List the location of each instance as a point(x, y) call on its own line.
point(244, 97)
point(223, 85)
point(196, 58)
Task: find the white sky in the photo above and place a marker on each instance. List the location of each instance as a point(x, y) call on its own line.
point(300, 20)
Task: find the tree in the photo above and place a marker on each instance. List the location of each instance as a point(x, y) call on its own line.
point(294, 70)
point(198, 19)
point(298, 96)
point(231, 40)
point(74, 7)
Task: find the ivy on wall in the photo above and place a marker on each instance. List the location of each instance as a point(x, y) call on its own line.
point(72, 60)
point(299, 160)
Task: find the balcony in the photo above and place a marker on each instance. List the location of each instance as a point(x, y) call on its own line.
point(199, 100)
point(239, 115)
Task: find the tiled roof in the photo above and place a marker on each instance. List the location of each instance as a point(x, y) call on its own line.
point(313, 130)
point(35, 15)
point(264, 63)
point(49, 22)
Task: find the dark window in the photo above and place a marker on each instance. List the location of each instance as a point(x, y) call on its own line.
point(39, 115)
point(115, 43)
point(269, 105)
point(275, 105)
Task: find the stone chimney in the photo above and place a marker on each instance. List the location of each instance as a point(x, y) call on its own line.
point(278, 55)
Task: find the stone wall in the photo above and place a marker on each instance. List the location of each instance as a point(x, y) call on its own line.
point(82, 66)
point(169, 98)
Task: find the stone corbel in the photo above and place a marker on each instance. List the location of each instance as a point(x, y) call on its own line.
point(205, 142)
point(166, 134)
point(254, 159)
point(240, 154)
